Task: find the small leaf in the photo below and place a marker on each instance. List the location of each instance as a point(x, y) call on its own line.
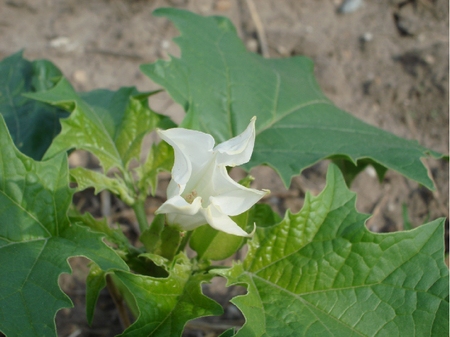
point(151, 237)
point(406, 223)
point(169, 243)
point(36, 239)
point(160, 158)
point(112, 235)
point(95, 282)
point(320, 272)
point(32, 124)
point(222, 86)
point(166, 304)
point(263, 216)
point(89, 178)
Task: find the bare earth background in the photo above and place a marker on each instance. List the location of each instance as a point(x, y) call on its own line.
point(385, 62)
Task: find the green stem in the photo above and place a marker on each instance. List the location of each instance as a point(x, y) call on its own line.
point(141, 216)
point(184, 241)
point(118, 301)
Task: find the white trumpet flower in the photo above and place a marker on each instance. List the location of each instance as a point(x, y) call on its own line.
point(201, 191)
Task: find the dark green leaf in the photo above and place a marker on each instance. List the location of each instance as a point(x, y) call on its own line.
point(221, 86)
point(32, 124)
point(36, 239)
point(320, 272)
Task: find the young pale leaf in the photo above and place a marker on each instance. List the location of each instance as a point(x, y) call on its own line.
point(221, 86)
point(88, 178)
point(320, 272)
point(115, 236)
point(36, 239)
point(32, 124)
point(109, 124)
point(159, 159)
point(166, 304)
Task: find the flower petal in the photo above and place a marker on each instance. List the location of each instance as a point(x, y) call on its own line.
point(220, 221)
point(173, 189)
point(231, 197)
point(182, 214)
point(237, 150)
point(180, 206)
point(192, 150)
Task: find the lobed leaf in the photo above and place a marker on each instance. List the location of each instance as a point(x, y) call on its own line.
point(166, 304)
point(109, 124)
point(320, 272)
point(32, 124)
point(221, 86)
point(36, 239)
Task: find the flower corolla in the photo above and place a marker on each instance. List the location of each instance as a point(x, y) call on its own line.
point(201, 191)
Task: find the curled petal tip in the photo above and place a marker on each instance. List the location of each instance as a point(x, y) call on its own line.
point(249, 235)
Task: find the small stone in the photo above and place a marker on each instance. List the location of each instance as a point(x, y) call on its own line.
point(78, 158)
point(371, 171)
point(367, 37)
point(350, 6)
point(165, 44)
point(252, 45)
point(80, 76)
point(429, 59)
point(407, 21)
point(223, 5)
point(59, 42)
point(282, 51)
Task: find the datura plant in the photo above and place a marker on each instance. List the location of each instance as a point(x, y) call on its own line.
point(318, 272)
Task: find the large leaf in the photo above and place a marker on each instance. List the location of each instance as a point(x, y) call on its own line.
point(36, 239)
point(32, 124)
point(320, 272)
point(222, 86)
point(110, 124)
point(166, 304)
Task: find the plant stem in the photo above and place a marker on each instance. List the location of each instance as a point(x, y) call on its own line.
point(141, 216)
point(118, 301)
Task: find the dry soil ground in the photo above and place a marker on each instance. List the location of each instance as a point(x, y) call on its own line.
point(386, 62)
